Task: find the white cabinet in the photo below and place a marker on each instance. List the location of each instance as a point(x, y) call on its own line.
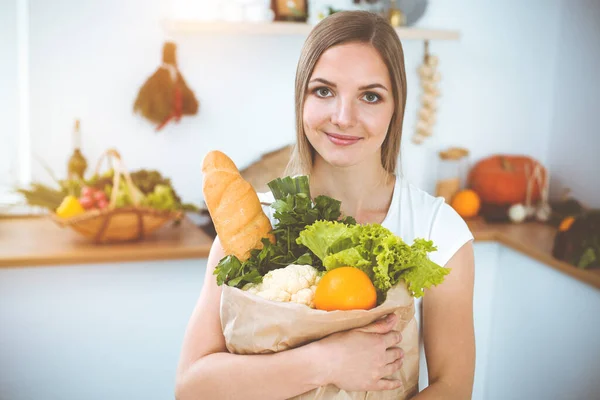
point(486, 270)
point(95, 332)
point(545, 334)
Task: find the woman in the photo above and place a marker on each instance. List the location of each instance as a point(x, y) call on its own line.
point(350, 98)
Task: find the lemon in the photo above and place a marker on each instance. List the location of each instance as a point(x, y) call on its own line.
point(69, 207)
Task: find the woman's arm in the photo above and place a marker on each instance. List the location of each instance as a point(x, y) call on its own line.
point(448, 331)
point(355, 359)
point(207, 371)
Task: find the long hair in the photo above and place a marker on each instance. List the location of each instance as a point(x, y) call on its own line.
point(339, 28)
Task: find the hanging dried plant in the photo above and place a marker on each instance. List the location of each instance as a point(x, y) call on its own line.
point(165, 95)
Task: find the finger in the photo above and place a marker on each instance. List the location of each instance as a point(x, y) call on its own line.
point(392, 368)
point(392, 354)
point(380, 326)
point(392, 338)
point(387, 384)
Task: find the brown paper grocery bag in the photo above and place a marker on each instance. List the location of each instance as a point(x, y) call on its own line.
point(253, 325)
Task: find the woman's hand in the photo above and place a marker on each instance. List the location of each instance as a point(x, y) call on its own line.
point(362, 358)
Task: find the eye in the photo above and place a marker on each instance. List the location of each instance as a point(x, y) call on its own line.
point(371, 97)
point(322, 91)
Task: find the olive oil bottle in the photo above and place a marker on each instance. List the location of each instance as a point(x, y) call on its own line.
point(77, 163)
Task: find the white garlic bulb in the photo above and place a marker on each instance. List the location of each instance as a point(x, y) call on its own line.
point(432, 119)
point(433, 61)
point(422, 125)
point(428, 85)
point(517, 213)
point(425, 71)
point(429, 100)
point(543, 212)
point(429, 77)
point(418, 138)
point(433, 92)
point(529, 211)
point(425, 113)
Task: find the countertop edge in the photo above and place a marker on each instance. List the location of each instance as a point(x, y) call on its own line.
point(539, 255)
point(158, 255)
point(200, 244)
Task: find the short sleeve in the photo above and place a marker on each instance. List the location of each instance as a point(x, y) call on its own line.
point(449, 232)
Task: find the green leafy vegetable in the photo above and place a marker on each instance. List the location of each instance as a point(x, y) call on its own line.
point(294, 210)
point(319, 236)
point(385, 257)
point(310, 232)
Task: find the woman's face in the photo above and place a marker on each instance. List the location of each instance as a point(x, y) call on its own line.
point(349, 105)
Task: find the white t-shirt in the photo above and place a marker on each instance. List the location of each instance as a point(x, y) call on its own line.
point(413, 214)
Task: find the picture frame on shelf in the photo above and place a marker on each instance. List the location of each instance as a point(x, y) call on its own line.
point(290, 10)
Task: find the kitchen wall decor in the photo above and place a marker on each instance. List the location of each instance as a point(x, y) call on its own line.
point(430, 77)
point(290, 10)
point(165, 95)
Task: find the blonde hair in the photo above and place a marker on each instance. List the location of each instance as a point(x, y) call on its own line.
point(344, 27)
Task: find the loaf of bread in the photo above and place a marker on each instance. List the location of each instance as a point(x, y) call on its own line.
point(233, 206)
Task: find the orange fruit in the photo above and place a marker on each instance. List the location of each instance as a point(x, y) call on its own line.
point(345, 288)
point(466, 203)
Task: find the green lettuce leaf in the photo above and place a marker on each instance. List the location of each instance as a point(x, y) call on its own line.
point(423, 276)
point(321, 235)
point(349, 257)
point(385, 257)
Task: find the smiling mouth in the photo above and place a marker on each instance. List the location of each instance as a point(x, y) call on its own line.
point(342, 140)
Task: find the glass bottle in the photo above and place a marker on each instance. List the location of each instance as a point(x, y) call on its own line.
point(77, 163)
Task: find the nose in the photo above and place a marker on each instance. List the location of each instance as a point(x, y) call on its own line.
point(344, 115)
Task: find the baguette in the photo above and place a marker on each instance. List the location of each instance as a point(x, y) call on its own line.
point(233, 206)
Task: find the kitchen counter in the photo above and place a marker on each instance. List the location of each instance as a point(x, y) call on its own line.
point(39, 241)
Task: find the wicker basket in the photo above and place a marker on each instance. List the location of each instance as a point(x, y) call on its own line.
point(118, 224)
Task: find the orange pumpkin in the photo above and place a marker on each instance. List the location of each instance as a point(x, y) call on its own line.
point(503, 179)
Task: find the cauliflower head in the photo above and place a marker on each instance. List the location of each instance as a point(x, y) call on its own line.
point(294, 283)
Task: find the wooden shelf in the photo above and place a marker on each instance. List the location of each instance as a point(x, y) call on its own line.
point(289, 28)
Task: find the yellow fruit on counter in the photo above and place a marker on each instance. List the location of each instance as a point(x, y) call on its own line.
point(69, 207)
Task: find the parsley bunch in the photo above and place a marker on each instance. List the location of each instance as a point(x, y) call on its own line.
point(294, 211)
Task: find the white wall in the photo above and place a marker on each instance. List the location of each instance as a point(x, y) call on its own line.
point(497, 81)
point(575, 135)
point(90, 58)
point(8, 91)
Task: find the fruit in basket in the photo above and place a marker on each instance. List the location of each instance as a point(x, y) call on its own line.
point(161, 198)
point(92, 198)
point(146, 181)
point(125, 195)
point(69, 207)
